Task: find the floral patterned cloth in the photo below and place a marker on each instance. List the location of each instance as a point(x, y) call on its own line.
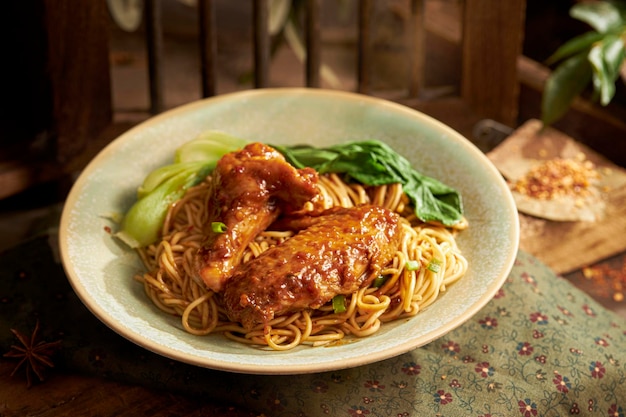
point(541, 347)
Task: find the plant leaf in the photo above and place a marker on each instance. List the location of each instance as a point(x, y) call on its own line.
point(614, 56)
point(574, 46)
point(566, 82)
point(620, 5)
point(602, 16)
point(606, 58)
point(278, 15)
point(298, 48)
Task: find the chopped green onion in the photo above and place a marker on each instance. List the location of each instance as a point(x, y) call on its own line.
point(218, 227)
point(339, 304)
point(434, 265)
point(379, 281)
point(412, 265)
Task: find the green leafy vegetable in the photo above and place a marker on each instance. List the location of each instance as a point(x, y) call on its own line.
point(339, 304)
point(375, 163)
point(193, 162)
point(142, 222)
point(161, 175)
point(209, 146)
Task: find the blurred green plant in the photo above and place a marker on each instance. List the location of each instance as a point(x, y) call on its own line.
point(285, 24)
point(597, 57)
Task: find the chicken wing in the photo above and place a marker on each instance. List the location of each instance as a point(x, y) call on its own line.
point(340, 252)
point(249, 189)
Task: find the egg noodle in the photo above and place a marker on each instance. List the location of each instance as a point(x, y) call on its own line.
point(426, 263)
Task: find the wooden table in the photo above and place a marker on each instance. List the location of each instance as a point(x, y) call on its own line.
point(77, 395)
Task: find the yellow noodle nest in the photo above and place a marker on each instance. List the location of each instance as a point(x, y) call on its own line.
point(170, 284)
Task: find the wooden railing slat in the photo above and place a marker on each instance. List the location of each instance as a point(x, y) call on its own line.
point(313, 48)
point(261, 43)
point(207, 33)
point(154, 48)
point(364, 50)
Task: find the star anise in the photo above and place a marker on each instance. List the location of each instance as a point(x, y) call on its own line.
point(33, 354)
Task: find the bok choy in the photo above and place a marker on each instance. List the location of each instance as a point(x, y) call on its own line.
point(165, 185)
point(375, 163)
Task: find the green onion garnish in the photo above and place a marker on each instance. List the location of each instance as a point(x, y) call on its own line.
point(218, 227)
point(412, 265)
point(339, 304)
point(434, 265)
point(379, 281)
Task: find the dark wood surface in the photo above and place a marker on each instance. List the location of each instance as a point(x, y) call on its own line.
point(74, 395)
point(559, 244)
point(78, 65)
point(56, 88)
point(492, 41)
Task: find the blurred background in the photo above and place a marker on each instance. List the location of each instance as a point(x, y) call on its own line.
point(77, 74)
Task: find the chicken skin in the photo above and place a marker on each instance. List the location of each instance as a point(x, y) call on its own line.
point(249, 189)
point(339, 252)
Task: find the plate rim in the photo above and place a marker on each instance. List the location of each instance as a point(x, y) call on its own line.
point(286, 368)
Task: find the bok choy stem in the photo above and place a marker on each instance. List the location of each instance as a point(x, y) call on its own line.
point(193, 161)
point(142, 223)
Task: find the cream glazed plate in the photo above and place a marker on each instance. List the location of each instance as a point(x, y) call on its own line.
point(101, 269)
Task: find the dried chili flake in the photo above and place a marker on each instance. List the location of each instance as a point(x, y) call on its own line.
point(608, 281)
point(558, 177)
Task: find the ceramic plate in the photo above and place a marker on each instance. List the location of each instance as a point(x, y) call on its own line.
point(100, 269)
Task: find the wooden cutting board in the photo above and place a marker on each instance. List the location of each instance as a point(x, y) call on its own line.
point(566, 246)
